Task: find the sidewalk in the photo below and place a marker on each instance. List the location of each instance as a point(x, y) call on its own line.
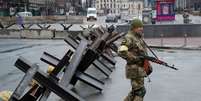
point(189, 42)
point(179, 20)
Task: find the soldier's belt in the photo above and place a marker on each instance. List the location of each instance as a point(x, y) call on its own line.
point(135, 62)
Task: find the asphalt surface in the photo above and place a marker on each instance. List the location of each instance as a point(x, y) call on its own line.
point(166, 84)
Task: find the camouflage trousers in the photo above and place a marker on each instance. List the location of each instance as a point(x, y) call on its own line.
point(138, 90)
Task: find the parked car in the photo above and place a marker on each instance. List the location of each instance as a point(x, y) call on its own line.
point(118, 16)
point(130, 19)
point(71, 12)
point(24, 14)
point(111, 18)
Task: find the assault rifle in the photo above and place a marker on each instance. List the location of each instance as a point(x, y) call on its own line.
point(155, 60)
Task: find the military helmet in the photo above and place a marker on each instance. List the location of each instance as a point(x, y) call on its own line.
point(136, 23)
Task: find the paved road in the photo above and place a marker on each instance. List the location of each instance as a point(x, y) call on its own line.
point(191, 42)
point(166, 85)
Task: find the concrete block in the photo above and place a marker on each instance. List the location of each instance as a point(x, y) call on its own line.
point(61, 34)
point(47, 34)
point(14, 34)
point(29, 34)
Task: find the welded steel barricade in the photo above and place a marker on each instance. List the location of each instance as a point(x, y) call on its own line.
point(94, 53)
point(50, 82)
point(72, 66)
point(2, 26)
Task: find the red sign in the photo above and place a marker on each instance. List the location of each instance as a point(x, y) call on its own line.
point(165, 0)
point(165, 10)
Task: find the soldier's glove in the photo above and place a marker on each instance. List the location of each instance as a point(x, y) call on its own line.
point(5, 95)
point(123, 48)
point(123, 51)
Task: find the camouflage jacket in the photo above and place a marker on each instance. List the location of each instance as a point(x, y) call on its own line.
point(136, 46)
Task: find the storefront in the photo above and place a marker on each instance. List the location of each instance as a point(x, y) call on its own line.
point(165, 10)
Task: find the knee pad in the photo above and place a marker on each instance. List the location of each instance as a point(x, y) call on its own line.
point(140, 92)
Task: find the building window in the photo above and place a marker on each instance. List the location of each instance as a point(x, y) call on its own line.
point(139, 7)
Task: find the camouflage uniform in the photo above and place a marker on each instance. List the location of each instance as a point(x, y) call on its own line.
point(5, 95)
point(134, 69)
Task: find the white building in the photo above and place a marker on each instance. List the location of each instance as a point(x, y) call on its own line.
point(180, 4)
point(120, 6)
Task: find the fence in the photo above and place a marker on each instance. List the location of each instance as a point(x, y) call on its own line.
point(176, 30)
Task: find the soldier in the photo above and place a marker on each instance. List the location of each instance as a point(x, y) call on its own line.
point(131, 48)
point(186, 18)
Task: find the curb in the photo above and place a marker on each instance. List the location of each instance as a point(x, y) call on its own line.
point(177, 48)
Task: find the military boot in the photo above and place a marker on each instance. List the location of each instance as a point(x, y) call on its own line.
point(138, 98)
point(130, 97)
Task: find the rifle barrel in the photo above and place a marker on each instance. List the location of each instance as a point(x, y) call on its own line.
point(172, 67)
point(159, 62)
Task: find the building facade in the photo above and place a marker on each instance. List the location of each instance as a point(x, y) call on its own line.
point(120, 6)
point(90, 3)
point(4, 7)
point(60, 7)
point(194, 5)
point(180, 4)
point(37, 7)
point(42, 7)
